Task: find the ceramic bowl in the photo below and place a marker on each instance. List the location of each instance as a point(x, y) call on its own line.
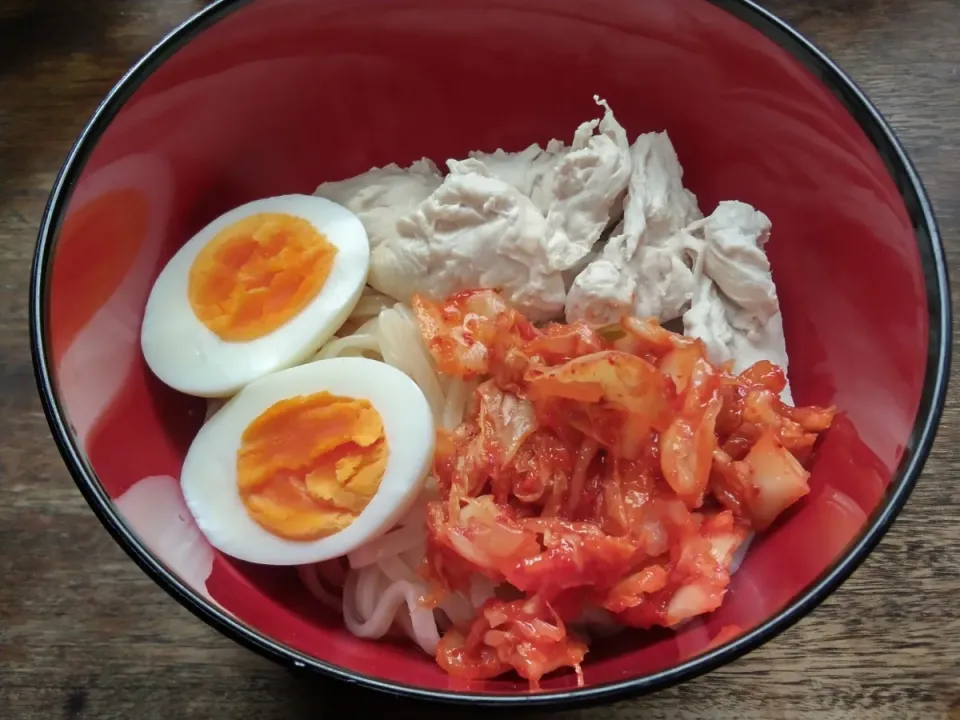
point(256, 98)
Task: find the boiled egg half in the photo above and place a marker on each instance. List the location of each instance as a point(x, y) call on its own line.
point(310, 463)
point(257, 290)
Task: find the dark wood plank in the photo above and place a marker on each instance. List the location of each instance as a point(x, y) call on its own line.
point(83, 634)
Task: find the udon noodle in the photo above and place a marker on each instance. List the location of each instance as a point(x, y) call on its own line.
point(381, 585)
point(378, 590)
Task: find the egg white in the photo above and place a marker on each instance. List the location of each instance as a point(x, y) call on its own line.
point(188, 356)
point(209, 475)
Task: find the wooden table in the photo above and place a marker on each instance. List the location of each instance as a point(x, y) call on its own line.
point(84, 634)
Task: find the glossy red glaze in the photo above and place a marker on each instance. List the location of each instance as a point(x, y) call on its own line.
point(281, 95)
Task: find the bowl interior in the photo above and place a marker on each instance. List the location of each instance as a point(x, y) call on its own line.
point(280, 95)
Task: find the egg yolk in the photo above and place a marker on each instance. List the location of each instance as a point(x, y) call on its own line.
point(309, 465)
point(257, 274)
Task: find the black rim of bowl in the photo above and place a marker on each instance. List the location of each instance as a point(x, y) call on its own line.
point(921, 438)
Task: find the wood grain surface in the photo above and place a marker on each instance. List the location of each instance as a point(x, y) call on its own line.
point(84, 634)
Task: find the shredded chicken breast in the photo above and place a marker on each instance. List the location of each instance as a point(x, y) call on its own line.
point(736, 311)
point(474, 231)
point(588, 184)
point(530, 171)
point(379, 197)
point(643, 270)
point(528, 224)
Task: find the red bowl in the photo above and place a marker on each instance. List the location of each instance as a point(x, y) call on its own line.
point(264, 97)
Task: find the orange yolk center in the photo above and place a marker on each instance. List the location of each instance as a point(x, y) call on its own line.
point(257, 274)
point(309, 465)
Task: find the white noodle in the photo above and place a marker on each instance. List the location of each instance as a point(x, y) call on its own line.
point(414, 556)
point(395, 569)
point(370, 586)
point(367, 625)
point(481, 590)
point(382, 615)
point(308, 574)
point(389, 545)
point(401, 346)
point(403, 624)
point(382, 590)
point(458, 609)
point(371, 304)
point(406, 313)
point(458, 393)
point(425, 631)
point(355, 344)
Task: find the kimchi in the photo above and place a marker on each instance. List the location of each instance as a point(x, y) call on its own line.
point(608, 468)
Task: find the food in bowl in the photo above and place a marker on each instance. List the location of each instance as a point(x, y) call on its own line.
point(494, 448)
point(255, 291)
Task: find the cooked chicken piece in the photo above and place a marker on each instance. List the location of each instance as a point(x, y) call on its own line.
point(524, 222)
point(588, 185)
point(643, 270)
point(735, 310)
point(379, 197)
point(530, 171)
point(605, 290)
point(657, 203)
point(577, 188)
point(665, 284)
point(475, 231)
